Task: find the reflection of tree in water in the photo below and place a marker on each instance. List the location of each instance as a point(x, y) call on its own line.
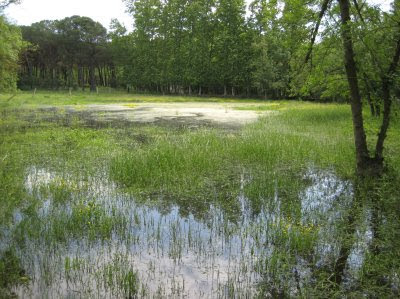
point(198, 204)
point(355, 248)
point(379, 272)
point(356, 251)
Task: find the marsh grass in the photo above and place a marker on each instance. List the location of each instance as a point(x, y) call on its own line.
point(267, 201)
point(61, 98)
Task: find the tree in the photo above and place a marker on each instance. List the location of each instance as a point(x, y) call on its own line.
point(230, 23)
point(385, 71)
point(10, 46)
point(66, 53)
point(272, 57)
point(366, 163)
point(83, 36)
point(179, 45)
point(41, 59)
point(121, 48)
point(199, 42)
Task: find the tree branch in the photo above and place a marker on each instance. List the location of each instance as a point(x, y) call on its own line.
point(324, 7)
point(395, 61)
point(6, 3)
point(387, 82)
point(358, 8)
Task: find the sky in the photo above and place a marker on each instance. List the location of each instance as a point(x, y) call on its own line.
point(31, 11)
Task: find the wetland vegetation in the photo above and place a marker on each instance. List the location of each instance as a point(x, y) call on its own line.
point(127, 209)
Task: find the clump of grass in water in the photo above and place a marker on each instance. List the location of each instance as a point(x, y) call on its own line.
point(86, 219)
point(181, 165)
point(11, 273)
point(120, 278)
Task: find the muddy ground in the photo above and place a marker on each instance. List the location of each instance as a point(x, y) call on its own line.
point(191, 115)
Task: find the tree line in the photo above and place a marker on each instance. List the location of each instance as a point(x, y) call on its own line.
point(272, 49)
point(72, 52)
point(210, 47)
point(219, 47)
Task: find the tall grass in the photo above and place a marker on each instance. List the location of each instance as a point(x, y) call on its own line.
point(278, 145)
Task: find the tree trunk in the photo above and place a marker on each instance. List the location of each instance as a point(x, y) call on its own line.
point(71, 76)
point(387, 81)
point(30, 71)
point(199, 90)
point(362, 154)
point(106, 76)
point(92, 78)
point(225, 92)
point(113, 77)
point(101, 79)
point(80, 74)
point(86, 76)
point(106, 72)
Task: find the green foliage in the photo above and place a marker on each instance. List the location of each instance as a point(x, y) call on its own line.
point(65, 53)
point(10, 46)
point(189, 46)
point(375, 36)
point(185, 47)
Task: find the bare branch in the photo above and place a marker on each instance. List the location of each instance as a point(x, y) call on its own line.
point(6, 3)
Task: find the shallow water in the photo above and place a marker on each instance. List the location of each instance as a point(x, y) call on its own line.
point(152, 249)
point(175, 115)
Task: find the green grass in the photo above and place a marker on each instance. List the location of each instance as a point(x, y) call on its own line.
point(264, 107)
point(60, 98)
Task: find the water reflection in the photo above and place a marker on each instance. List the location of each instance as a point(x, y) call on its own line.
point(90, 236)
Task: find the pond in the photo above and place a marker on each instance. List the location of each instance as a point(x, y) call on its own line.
point(92, 239)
